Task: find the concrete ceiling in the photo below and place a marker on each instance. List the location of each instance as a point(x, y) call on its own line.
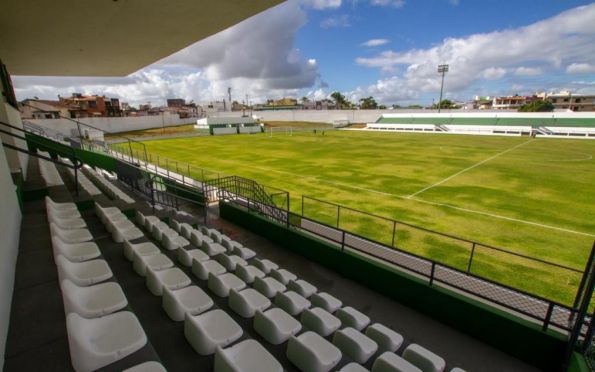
point(108, 37)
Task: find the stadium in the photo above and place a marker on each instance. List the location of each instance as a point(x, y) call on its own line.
point(408, 241)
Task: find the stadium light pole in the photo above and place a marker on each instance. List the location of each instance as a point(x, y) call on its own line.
point(442, 69)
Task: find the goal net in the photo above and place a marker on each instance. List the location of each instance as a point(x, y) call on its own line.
point(280, 131)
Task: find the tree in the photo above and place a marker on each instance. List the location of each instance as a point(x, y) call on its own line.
point(340, 100)
point(368, 103)
point(445, 104)
point(305, 99)
point(537, 106)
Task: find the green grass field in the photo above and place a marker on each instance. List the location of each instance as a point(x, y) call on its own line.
point(534, 197)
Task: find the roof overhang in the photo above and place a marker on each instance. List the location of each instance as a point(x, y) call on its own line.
point(109, 37)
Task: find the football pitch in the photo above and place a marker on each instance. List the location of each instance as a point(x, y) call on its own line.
point(534, 197)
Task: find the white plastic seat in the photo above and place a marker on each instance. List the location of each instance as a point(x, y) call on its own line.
point(196, 238)
point(55, 214)
point(49, 203)
point(243, 252)
point(155, 262)
point(320, 321)
point(355, 344)
point(206, 331)
point(386, 338)
point(221, 284)
point(265, 265)
point(105, 213)
point(230, 262)
point(457, 369)
point(129, 233)
point(159, 233)
point(150, 221)
point(185, 256)
point(140, 218)
point(275, 325)
point(215, 235)
point(312, 353)
point(171, 242)
point(202, 269)
point(71, 235)
point(391, 362)
point(94, 301)
point(291, 302)
point(353, 367)
point(75, 252)
point(95, 343)
point(248, 273)
point(423, 358)
point(226, 242)
point(186, 230)
point(68, 223)
point(151, 366)
point(191, 299)
point(212, 248)
point(85, 273)
point(246, 356)
point(204, 230)
point(302, 287)
point(247, 302)
point(283, 276)
point(352, 318)
point(326, 301)
point(118, 221)
point(268, 286)
point(173, 278)
point(175, 225)
point(140, 249)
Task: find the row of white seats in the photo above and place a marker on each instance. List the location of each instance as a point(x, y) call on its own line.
point(294, 296)
point(83, 181)
point(107, 187)
point(180, 299)
point(99, 334)
point(309, 351)
point(48, 171)
point(117, 224)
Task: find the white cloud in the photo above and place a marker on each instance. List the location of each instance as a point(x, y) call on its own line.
point(375, 42)
point(493, 73)
point(528, 71)
point(322, 4)
point(454, 2)
point(255, 57)
point(393, 3)
point(551, 43)
point(581, 68)
point(343, 20)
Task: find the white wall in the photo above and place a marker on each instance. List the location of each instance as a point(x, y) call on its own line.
point(10, 220)
point(115, 124)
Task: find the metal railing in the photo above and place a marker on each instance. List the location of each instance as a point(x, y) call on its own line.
point(547, 313)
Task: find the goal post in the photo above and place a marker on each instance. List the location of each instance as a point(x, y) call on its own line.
point(276, 131)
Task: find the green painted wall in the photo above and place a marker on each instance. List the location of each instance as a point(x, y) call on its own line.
point(578, 364)
point(512, 335)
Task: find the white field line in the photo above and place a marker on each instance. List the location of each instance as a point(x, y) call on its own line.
point(469, 168)
point(545, 226)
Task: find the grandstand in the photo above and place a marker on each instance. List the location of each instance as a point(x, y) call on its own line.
point(548, 125)
point(112, 263)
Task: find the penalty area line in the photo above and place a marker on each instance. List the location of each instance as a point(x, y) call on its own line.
point(469, 168)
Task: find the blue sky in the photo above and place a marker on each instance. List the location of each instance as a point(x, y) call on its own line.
point(385, 48)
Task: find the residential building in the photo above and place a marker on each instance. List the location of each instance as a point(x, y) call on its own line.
point(483, 102)
point(511, 102)
point(574, 102)
point(43, 109)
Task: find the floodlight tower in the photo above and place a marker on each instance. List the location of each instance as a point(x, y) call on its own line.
point(442, 69)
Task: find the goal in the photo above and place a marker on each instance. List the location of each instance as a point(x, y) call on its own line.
point(280, 131)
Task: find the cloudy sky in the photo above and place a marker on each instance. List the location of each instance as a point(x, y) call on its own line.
point(385, 48)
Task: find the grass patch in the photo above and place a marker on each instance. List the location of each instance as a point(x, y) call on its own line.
point(546, 182)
